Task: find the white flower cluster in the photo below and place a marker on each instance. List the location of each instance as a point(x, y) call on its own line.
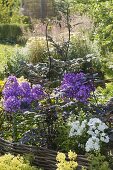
point(77, 128)
point(94, 129)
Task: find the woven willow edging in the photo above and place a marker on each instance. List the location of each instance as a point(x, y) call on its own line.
point(43, 157)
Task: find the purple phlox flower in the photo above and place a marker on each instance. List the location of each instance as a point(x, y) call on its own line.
point(7, 92)
point(19, 92)
point(10, 87)
point(20, 96)
point(73, 78)
point(26, 97)
point(12, 104)
point(11, 82)
point(74, 85)
point(67, 90)
point(26, 89)
point(37, 92)
point(83, 94)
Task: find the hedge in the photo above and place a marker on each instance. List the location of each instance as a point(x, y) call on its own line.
point(12, 33)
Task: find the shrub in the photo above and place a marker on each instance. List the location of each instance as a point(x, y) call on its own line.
point(82, 46)
point(98, 162)
point(10, 12)
point(11, 162)
point(37, 49)
point(5, 53)
point(102, 12)
point(11, 33)
point(15, 62)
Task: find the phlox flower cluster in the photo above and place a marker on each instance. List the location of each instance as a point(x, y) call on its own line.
point(94, 130)
point(77, 128)
point(20, 96)
point(63, 164)
point(74, 85)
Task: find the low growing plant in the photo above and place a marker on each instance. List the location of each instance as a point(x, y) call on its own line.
point(11, 162)
point(98, 162)
point(63, 164)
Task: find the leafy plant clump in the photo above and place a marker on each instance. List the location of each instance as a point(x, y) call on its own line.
point(63, 164)
point(11, 162)
point(98, 162)
point(37, 50)
point(10, 12)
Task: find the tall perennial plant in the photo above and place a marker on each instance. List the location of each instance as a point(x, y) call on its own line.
point(20, 96)
point(76, 85)
point(93, 131)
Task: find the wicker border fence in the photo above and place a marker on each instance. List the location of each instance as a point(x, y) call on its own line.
point(43, 157)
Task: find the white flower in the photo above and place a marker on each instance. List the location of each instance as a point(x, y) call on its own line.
point(104, 139)
point(94, 121)
point(96, 132)
point(94, 138)
point(71, 133)
point(102, 127)
point(79, 131)
point(96, 146)
point(92, 144)
point(90, 132)
point(75, 124)
point(94, 129)
point(89, 145)
point(103, 134)
point(83, 124)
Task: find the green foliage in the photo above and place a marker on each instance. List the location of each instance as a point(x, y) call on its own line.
point(11, 33)
point(5, 53)
point(11, 162)
point(73, 5)
point(81, 47)
point(98, 162)
point(18, 124)
point(9, 12)
point(104, 94)
point(102, 12)
point(14, 63)
point(62, 139)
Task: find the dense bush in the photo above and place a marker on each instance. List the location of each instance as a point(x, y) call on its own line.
point(102, 12)
point(10, 12)
point(81, 47)
point(5, 53)
point(14, 63)
point(11, 33)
